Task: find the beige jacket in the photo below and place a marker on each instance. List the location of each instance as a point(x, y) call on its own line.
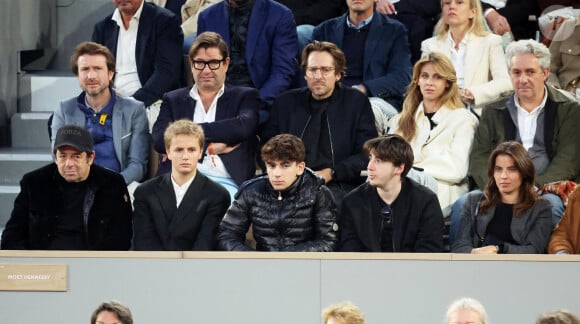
point(189, 13)
point(565, 63)
point(486, 71)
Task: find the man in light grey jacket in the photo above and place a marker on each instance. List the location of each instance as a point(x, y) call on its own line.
point(118, 125)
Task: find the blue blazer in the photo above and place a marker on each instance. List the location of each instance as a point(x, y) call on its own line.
point(271, 45)
point(236, 122)
point(387, 58)
point(158, 50)
point(130, 133)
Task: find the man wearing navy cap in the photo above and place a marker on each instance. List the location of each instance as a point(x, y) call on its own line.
point(71, 204)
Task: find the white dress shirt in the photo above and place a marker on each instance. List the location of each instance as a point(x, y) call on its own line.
point(126, 77)
point(212, 165)
point(180, 190)
point(458, 58)
point(528, 121)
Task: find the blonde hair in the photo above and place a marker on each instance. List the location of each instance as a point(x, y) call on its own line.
point(450, 98)
point(477, 26)
point(183, 127)
point(345, 313)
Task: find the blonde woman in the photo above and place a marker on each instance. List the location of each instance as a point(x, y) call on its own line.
point(477, 55)
point(344, 313)
point(438, 127)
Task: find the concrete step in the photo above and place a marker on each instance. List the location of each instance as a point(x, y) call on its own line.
point(15, 162)
point(30, 130)
point(43, 91)
point(7, 196)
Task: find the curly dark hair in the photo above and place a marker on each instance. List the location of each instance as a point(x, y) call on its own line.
point(284, 147)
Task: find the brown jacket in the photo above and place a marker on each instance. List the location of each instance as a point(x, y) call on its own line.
point(566, 235)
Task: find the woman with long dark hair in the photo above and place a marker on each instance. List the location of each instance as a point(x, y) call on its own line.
point(508, 216)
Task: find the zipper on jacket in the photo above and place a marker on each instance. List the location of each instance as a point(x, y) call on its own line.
point(330, 138)
point(393, 236)
point(305, 126)
point(88, 204)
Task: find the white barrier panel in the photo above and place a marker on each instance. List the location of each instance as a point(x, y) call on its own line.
point(292, 288)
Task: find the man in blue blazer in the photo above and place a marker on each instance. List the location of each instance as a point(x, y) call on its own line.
point(227, 114)
point(377, 54)
point(261, 35)
point(118, 125)
point(154, 49)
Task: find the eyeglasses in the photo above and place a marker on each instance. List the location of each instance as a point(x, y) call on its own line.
point(213, 64)
point(386, 213)
point(324, 71)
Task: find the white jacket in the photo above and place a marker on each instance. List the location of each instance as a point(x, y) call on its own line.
point(443, 152)
point(486, 72)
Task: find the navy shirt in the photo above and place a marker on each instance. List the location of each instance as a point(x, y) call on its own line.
point(100, 125)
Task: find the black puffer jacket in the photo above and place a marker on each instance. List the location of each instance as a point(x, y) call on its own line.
point(301, 218)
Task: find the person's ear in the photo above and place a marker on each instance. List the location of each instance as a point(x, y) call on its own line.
point(301, 166)
point(400, 168)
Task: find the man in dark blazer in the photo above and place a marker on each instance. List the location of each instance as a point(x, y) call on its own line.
point(377, 54)
point(333, 121)
point(154, 48)
point(390, 212)
point(261, 35)
point(228, 115)
point(181, 210)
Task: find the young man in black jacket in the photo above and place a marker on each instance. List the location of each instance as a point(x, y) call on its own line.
point(390, 212)
point(180, 210)
point(290, 208)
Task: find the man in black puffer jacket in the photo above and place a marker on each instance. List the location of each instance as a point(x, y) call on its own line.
point(290, 208)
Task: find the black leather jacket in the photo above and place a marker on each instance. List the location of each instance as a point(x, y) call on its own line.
point(301, 218)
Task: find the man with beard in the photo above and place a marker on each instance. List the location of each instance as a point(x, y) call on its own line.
point(378, 57)
point(333, 121)
point(118, 125)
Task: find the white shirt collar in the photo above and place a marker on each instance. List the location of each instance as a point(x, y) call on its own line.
point(463, 41)
point(536, 109)
point(117, 15)
point(361, 25)
point(181, 190)
point(194, 93)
